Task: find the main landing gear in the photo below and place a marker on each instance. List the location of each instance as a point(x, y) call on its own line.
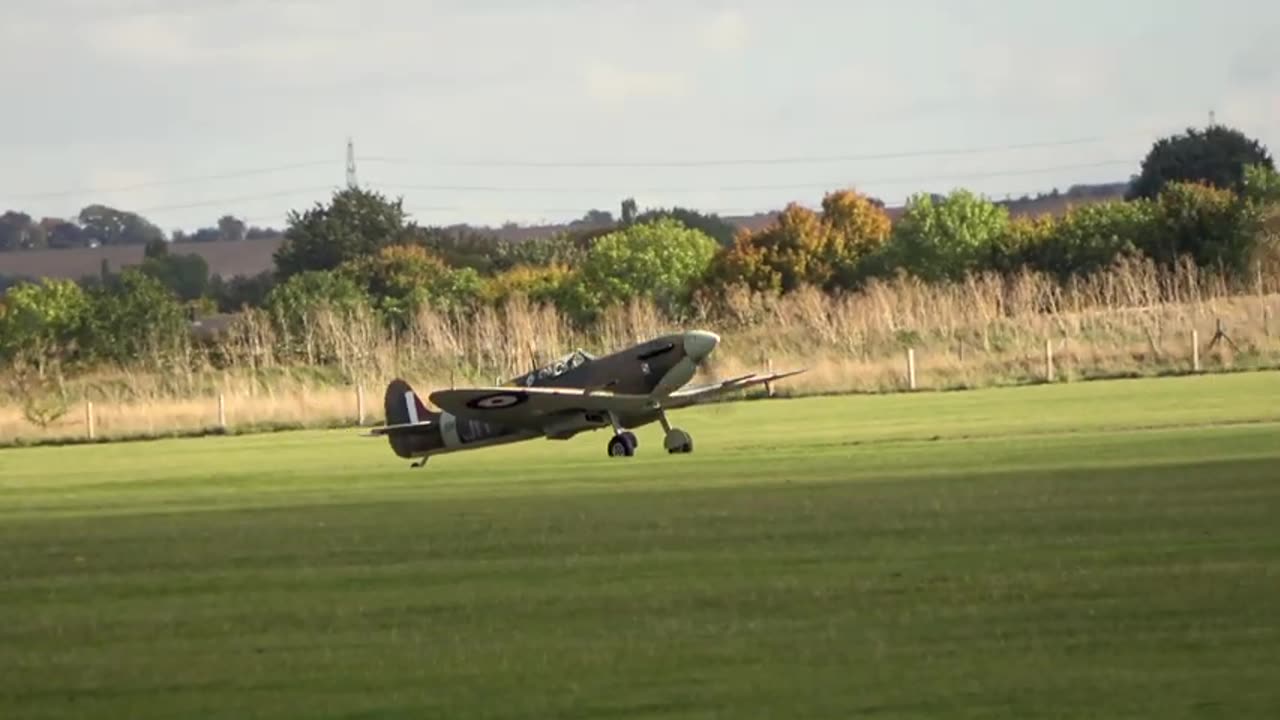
point(624, 442)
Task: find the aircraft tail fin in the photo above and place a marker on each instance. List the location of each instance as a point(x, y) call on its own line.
point(408, 419)
point(403, 406)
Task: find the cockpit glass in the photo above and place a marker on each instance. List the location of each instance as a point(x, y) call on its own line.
point(560, 366)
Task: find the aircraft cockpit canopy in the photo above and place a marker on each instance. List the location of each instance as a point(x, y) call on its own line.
point(559, 366)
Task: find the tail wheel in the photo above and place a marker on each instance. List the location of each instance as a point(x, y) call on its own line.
point(622, 445)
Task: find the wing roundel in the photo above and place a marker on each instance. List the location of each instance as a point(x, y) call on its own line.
point(533, 407)
point(498, 400)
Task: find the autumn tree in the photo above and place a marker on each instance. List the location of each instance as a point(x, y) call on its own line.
point(1023, 237)
point(803, 247)
point(744, 263)
point(857, 228)
point(539, 284)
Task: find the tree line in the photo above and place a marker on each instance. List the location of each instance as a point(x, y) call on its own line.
point(98, 224)
point(1208, 196)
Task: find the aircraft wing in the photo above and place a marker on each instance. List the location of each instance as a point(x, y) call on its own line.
point(692, 395)
point(533, 407)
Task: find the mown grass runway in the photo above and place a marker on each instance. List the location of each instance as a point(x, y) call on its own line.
point(1106, 549)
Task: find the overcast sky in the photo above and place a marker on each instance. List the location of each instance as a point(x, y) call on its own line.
point(529, 110)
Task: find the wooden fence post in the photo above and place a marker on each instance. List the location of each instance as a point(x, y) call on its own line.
point(911, 368)
point(1261, 288)
point(222, 411)
point(1195, 350)
point(88, 417)
point(1048, 360)
point(768, 386)
point(360, 404)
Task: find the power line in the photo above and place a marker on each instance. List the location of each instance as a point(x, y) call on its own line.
point(822, 159)
point(174, 181)
point(794, 160)
point(242, 198)
point(922, 179)
point(739, 188)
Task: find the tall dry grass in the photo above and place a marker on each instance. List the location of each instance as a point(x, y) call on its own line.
point(1135, 319)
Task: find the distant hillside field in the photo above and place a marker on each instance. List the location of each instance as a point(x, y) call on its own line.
point(227, 259)
point(252, 257)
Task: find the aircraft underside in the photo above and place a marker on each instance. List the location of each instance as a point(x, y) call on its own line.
point(458, 434)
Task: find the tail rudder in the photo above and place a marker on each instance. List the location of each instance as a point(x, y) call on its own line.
point(403, 406)
point(409, 423)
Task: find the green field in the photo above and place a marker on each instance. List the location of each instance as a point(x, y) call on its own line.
point(1101, 550)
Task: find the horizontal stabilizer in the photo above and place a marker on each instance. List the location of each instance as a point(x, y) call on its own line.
point(398, 428)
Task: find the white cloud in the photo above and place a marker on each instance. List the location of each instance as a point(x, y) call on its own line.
point(150, 38)
point(609, 83)
point(285, 38)
point(726, 32)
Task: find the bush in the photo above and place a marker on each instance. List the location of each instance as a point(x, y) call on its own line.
point(1214, 227)
point(949, 238)
point(1089, 239)
point(135, 318)
point(662, 260)
point(43, 323)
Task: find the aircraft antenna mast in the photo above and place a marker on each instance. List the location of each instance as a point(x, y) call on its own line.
point(351, 165)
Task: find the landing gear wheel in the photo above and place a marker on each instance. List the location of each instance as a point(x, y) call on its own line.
point(622, 446)
point(631, 438)
point(678, 441)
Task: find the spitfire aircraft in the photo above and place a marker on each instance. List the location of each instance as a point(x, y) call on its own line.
point(575, 393)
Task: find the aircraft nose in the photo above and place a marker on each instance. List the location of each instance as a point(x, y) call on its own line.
point(699, 343)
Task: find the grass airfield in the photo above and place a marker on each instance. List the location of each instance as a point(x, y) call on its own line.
point(1105, 549)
